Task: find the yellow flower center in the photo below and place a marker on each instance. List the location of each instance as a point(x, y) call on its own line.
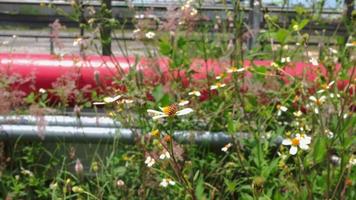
point(218, 84)
point(295, 142)
point(155, 133)
point(170, 110)
point(318, 102)
point(325, 86)
point(233, 69)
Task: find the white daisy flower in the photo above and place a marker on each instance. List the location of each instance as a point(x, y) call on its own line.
point(352, 161)
point(168, 111)
point(317, 102)
point(325, 87)
point(285, 60)
point(329, 134)
point(226, 147)
point(334, 51)
point(193, 12)
point(299, 141)
point(166, 181)
point(298, 113)
point(351, 44)
point(196, 93)
point(281, 109)
point(335, 159)
point(77, 42)
point(107, 100)
point(234, 70)
point(150, 161)
point(314, 61)
point(217, 85)
point(150, 35)
point(165, 155)
point(136, 31)
point(42, 91)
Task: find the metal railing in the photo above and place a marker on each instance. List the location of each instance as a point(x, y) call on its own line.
point(94, 130)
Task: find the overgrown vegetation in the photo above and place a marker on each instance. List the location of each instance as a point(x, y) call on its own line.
point(300, 122)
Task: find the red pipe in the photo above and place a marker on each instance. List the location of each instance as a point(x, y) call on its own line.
point(97, 71)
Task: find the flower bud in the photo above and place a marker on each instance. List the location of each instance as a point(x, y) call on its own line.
point(120, 183)
point(77, 189)
point(95, 166)
point(78, 167)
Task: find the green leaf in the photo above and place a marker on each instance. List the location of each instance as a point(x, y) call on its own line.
point(231, 185)
point(303, 23)
point(158, 93)
point(165, 100)
point(165, 48)
point(181, 43)
point(199, 190)
point(120, 171)
point(246, 196)
point(270, 169)
point(260, 73)
point(320, 149)
point(282, 35)
point(30, 98)
point(300, 10)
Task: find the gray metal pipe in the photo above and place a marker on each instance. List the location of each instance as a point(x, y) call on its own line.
point(59, 120)
point(107, 135)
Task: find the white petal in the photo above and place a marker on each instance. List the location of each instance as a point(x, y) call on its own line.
point(283, 108)
point(307, 139)
point(298, 113)
point(316, 110)
point(331, 83)
point(183, 103)
point(322, 99)
point(172, 182)
point(241, 70)
point(320, 91)
point(99, 103)
point(127, 101)
point(279, 113)
point(164, 183)
point(287, 142)
point(303, 146)
point(112, 99)
point(312, 98)
point(154, 112)
point(213, 87)
point(148, 160)
point(330, 134)
point(185, 111)
point(196, 93)
point(224, 149)
point(293, 150)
